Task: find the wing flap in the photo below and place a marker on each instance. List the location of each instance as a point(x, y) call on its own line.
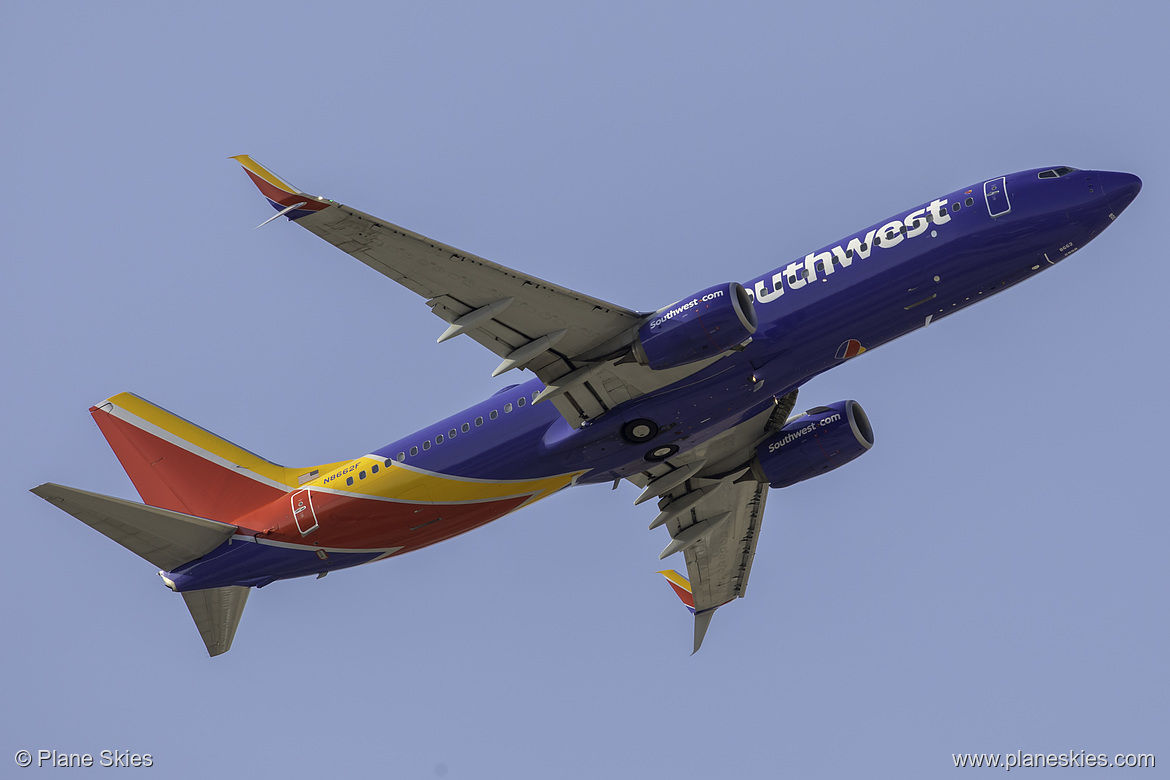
point(720, 563)
point(722, 507)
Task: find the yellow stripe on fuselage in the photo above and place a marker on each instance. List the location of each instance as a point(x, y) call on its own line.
point(396, 482)
point(391, 481)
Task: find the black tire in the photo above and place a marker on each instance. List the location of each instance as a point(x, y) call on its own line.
point(639, 431)
point(661, 453)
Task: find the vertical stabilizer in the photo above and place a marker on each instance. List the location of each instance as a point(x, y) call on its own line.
point(176, 465)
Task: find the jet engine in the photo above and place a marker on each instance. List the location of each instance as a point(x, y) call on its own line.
point(818, 441)
point(700, 326)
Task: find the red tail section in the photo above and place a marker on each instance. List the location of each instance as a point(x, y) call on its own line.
point(177, 465)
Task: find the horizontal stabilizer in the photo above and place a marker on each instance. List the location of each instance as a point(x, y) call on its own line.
point(217, 613)
point(165, 538)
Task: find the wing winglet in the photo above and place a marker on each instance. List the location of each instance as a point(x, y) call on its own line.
point(284, 197)
point(682, 587)
point(702, 621)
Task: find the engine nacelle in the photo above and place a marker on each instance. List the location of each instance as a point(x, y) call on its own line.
point(701, 326)
point(816, 442)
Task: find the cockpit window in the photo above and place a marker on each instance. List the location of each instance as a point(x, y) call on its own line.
point(1056, 173)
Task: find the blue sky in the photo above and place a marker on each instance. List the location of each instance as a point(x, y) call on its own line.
point(990, 578)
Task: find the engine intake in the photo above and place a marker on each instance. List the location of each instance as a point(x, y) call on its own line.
point(817, 442)
point(703, 325)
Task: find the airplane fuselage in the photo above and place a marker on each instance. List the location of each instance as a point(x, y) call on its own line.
point(814, 313)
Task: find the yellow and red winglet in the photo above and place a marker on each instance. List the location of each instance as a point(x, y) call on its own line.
point(285, 198)
point(682, 587)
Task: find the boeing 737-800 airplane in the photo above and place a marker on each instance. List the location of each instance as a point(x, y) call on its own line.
point(693, 402)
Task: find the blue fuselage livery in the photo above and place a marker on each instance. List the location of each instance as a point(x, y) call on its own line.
point(873, 286)
point(692, 402)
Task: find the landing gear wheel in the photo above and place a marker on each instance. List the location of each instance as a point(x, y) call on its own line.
point(638, 431)
point(661, 453)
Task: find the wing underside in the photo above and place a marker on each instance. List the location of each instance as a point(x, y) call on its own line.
point(713, 507)
point(573, 342)
point(580, 347)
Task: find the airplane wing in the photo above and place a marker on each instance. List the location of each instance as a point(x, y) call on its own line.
point(570, 340)
point(713, 508)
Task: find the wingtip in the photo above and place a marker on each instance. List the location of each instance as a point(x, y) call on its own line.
point(263, 176)
point(284, 197)
point(702, 623)
point(681, 587)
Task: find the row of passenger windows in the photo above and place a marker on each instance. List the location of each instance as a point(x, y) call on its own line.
point(362, 474)
point(820, 266)
point(494, 414)
point(465, 427)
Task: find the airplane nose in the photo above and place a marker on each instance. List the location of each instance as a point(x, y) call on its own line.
point(1120, 188)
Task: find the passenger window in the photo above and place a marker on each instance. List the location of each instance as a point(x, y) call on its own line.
point(374, 469)
point(349, 480)
point(534, 394)
point(362, 474)
point(465, 427)
point(451, 434)
point(970, 201)
point(478, 421)
point(521, 401)
point(820, 266)
point(954, 207)
point(427, 444)
point(413, 451)
point(849, 253)
point(402, 456)
point(494, 414)
point(439, 439)
point(507, 408)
